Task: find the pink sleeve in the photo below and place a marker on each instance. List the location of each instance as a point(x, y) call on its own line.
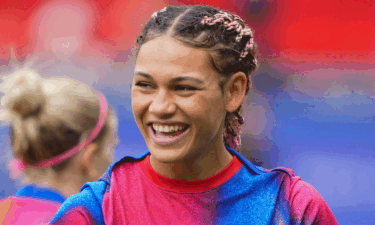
point(75, 216)
point(307, 205)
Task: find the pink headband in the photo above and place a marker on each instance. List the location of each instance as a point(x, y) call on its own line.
point(17, 166)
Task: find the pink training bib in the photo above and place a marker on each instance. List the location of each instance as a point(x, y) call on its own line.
point(22, 210)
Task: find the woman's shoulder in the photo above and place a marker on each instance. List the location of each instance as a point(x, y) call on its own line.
point(294, 188)
point(307, 206)
point(124, 164)
point(86, 206)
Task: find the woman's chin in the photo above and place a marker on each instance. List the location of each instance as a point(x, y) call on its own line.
point(167, 155)
point(169, 149)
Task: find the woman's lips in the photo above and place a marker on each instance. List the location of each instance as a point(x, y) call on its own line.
point(162, 138)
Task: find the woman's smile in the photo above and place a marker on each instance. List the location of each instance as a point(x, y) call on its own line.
point(168, 134)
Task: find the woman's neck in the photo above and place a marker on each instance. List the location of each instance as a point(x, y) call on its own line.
point(67, 184)
point(195, 168)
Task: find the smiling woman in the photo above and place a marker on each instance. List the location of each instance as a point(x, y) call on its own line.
point(191, 76)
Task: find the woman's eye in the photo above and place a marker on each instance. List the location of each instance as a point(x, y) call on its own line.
point(143, 85)
point(184, 88)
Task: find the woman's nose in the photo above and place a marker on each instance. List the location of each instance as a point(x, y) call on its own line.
point(162, 104)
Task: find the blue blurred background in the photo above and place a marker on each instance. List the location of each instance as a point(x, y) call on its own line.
point(311, 107)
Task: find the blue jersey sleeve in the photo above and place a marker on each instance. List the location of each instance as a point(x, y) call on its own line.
point(84, 207)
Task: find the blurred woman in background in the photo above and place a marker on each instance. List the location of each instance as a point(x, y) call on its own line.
point(63, 134)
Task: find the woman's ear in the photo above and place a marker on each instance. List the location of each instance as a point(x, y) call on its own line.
point(235, 91)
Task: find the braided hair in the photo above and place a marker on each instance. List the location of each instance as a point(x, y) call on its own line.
point(225, 36)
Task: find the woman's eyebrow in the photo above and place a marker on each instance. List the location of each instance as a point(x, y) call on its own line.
point(173, 80)
point(183, 78)
point(146, 75)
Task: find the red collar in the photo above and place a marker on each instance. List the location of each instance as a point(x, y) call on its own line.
point(190, 186)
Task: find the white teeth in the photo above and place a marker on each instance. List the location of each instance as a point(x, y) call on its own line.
point(167, 129)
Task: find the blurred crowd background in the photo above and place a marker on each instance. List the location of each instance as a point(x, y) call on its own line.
point(311, 107)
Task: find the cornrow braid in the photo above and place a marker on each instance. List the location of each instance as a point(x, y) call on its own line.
point(224, 35)
point(229, 24)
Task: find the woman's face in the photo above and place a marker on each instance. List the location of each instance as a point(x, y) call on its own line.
point(177, 101)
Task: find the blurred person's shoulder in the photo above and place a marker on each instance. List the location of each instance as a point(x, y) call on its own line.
point(20, 210)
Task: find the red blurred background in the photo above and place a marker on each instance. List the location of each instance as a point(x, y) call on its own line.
point(308, 30)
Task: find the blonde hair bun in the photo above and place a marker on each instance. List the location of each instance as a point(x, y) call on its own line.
point(22, 94)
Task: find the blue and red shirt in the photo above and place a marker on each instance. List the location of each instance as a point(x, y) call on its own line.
point(30, 205)
point(131, 192)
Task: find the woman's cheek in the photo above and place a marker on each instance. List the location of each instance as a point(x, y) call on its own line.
point(140, 101)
